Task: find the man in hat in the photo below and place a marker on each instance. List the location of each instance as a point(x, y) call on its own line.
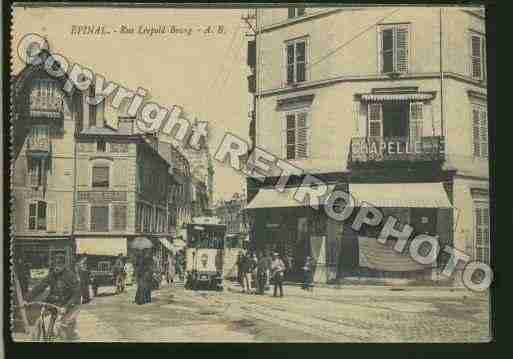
point(84, 276)
point(277, 270)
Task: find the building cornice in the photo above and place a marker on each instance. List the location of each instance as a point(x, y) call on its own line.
point(300, 19)
point(361, 78)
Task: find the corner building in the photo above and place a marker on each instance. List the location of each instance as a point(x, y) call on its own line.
point(386, 103)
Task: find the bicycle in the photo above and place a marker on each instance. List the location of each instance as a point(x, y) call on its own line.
point(43, 330)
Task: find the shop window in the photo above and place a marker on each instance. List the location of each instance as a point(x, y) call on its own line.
point(99, 218)
point(480, 130)
point(100, 176)
point(104, 266)
point(296, 135)
point(296, 60)
point(394, 48)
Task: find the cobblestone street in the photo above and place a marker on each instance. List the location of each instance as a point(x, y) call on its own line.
point(346, 314)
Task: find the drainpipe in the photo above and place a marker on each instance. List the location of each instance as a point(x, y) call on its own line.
point(75, 176)
point(441, 84)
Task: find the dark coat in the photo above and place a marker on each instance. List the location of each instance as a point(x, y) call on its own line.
point(64, 289)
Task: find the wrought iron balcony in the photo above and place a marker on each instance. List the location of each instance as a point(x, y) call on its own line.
point(51, 107)
point(396, 149)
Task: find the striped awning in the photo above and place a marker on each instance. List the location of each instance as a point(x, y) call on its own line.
point(417, 96)
point(400, 195)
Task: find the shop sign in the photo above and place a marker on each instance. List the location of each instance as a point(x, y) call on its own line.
point(39, 273)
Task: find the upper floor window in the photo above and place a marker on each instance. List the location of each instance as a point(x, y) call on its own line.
point(37, 215)
point(296, 11)
point(394, 48)
point(478, 56)
point(100, 176)
point(480, 130)
point(389, 119)
point(37, 171)
point(296, 135)
point(101, 145)
point(99, 218)
point(296, 52)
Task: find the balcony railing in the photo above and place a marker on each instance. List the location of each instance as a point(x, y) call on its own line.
point(396, 149)
point(46, 106)
point(40, 145)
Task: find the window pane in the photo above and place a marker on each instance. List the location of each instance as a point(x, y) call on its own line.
point(99, 219)
point(301, 51)
point(32, 210)
point(388, 40)
point(301, 72)
point(100, 176)
point(290, 54)
point(41, 209)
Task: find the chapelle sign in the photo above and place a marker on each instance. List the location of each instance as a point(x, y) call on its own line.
point(397, 148)
point(384, 146)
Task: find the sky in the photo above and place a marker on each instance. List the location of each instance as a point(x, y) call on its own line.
point(204, 73)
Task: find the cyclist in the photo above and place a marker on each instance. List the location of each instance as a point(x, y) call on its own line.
point(64, 292)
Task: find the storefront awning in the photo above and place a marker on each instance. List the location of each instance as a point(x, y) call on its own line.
point(271, 198)
point(402, 195)
point(166, 243)
point(101, 246)
point(419, 96)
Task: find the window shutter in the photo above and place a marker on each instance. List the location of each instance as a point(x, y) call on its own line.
point(302, 146)
point(484, 133)
point(33, 172)
point(476, 56)
point(32, 215)
point(301, 61)
point(375, 120)
point(387, 50)
point(416, 117)
point(476, 129)
point(290, 136)
point(82, 218)
point(402, 44)
point(119, 217)
point(290, 63)
point(51, 216)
